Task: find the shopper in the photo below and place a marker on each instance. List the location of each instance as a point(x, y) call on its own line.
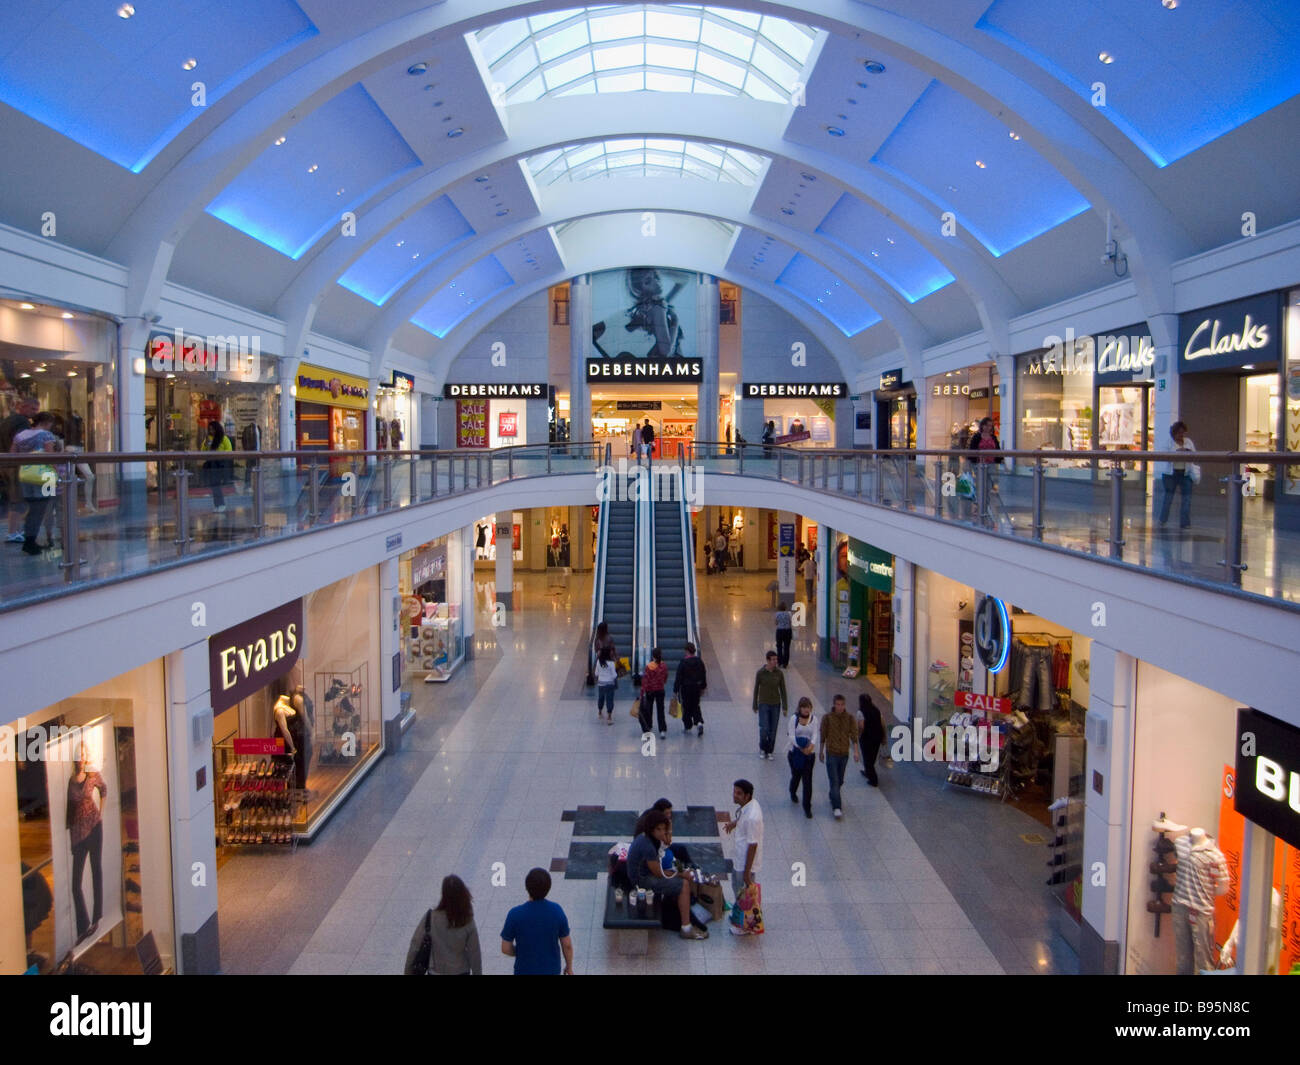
point(645, 871)
point(747, 829)
point(653, 679)
point(29, 441)
point(720, 550)
point(802, 752)
point(839, 732)
point(217, 471)
point(1178, 476)
point(18, 421)
point(769, 702)
point(606, 682)
point(871, 736)
point(647, 439)
point(537, 931)
point(784, 634)
point(769, 434)
point(810, 579)
point(689, 684)
point(985, 441)
point(603, 639)
point(453, 935)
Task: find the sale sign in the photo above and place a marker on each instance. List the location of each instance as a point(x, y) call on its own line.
point(471, 423)
point(508, 423)
point(259, 745)
point(991, 703)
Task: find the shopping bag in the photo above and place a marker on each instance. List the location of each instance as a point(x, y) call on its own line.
point(747, 914)
point(675, 707)
point(709, 896)
point(636, 709)
point(966, 486)
point(39, 474)
point(622, 667)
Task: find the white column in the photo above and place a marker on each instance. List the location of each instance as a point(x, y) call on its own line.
point(129, 387)
point(706, 348)
point(826, 602)
point(1164, 335)
point(288, 406)
point(1254, 955)
point(1108, 790)
point(904, 604)
point(372, 399)
point(787, 573)
point(193, 823)
point(429, 406)
point(505, 560)
point(580, 324)
point(390, 642)
point(1008, 390)
point(468, 593)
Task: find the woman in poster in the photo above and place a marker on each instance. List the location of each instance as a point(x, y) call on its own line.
point(85, 825)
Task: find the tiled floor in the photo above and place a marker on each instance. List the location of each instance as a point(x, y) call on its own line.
point(915, 879)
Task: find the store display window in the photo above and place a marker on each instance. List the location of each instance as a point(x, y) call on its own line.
point(485, 539)
point(801, 423)
point(433, 632)
point(88, 831)
point(957, 401)
point(1055, 399)
point(559, 543)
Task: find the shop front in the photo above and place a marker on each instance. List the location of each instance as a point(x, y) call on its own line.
point(331, 412)
point(957, 401)
point(64, 362)
point(394, 414)
point(867, 646)
point(1230, 363)
point(485, 539)
point(895, 412)
point(297, 712)
point(493, 415)
point(85, 827)
point(800, 414)
point(1288, 509)
point(1190, 815)
point(433, 636)
point(618, 412)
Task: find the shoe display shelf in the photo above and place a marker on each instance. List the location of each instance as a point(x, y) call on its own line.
point(256, 802)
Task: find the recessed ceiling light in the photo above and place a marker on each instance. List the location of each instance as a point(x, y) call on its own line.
point(853, 100)
point(1248, 366)
point(415, 256)
point(503, 212)
point(862, 85)
point(313, 168)
point(980, 163)
point(842, 118)
point(873, 66)
point(189, 64)
point(72, 373)
point(431, 86)
point(952, 188)
point(481, 179)
point(279, 140)
point(27, 306)
point(835, 131)
point(416, 69)
point(24, 375)
point(125, 11)
point(1169, 4)
point(889, 240)
point(1106, 57)
point(40, 369)
point(456, 132)
point(808, 177)
point(437, 103)
point(446, 118)
point(399, 243)
point(787, 210)
point(66, 315)
point(1013, 135)
point(338, 192)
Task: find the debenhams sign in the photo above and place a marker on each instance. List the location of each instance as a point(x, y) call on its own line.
point(540, 390)
point(632, 369)
point(246, 658)
point(792, 390)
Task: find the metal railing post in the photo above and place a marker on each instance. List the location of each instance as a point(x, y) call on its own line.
point(433, 476)
point(740, 458)
point(388, 482)
point(877, 471)
point(780, 459)
point(857, 471)
point(839, 475)
point(907, 481)
point(1038, 499)
point(259, 500)
point(799, 476)
point(414, 477)
point(938, 489)
point(182, 508)
point(1233, 567)
point(510, 462)
point(71, 563)
point(983, 504)
point(313, 495)
point(1116, 512)
point(356, 488)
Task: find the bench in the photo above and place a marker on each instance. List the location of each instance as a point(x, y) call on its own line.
point(631, 933)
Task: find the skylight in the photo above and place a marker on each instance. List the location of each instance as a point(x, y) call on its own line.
point(646, 47)
point(647, 158)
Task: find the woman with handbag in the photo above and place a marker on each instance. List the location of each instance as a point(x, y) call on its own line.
point(606, 679)
point(802, 752)
point(653, 680)
point(36, 477)
point(216, 471)
point(446, 941)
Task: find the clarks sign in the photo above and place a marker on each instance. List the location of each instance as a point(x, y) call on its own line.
point(1231, 335)
point(246, 658)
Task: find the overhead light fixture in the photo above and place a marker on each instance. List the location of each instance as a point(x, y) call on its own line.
point(171, 377)
point(279, 140)
point(873, 66)
point(125, 11)
point(835, 131)
point(787, 210)
point(138, 366)
point(437, 103)
point(481, 179)
point(980, 163)
point(24, 375)
point(40, 369)
point(431, 86)
point(189, 64)
point(1106, 57)
point(313, 168)
point(415, 256)
point(862, 85)
point(66, 315)
point(808, 177)
point(889, 240)
point(27, 306)
point(72, 373)
point(842, 118)
point(1169, 5)
point(503, 212)
point(458, 131)
point(1013, 134)
point(875, 254)
point(1248, 366)
point(416, 69)
point(399, 244)
point(338, 192)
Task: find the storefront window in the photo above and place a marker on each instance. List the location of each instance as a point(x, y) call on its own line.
point(431, 591)
point(957, 401)
point(90, 833)
point(801, 423)
point(1292, 386)
point(1054, 400)
point(485, 538)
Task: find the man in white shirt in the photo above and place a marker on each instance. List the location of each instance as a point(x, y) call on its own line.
point(747, 828)
point(810, 577)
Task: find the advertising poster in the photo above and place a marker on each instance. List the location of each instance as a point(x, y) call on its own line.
point(821, 428)
point(771, 536)
point(1118, 424)
point(508, 423)
point(471, 423)
point(86, 833)
point(643, 312)
point(785, 560)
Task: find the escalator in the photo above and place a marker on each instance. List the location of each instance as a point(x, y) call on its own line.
point(674, 579)
point(616, 574)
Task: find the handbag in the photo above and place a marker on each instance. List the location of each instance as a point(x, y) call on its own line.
point(36, 474)
point(591, 679)
point(636, 708)
point(420, 966)
point(675, 707)
point(1194, 472)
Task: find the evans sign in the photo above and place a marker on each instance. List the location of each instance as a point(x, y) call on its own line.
point(1268, 774)
point(246, 658)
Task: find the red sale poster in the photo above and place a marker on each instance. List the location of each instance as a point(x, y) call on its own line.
point(471, 423)
point(508, 423)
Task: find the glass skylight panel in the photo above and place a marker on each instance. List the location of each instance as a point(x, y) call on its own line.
point(647, 47)
point(657, 158)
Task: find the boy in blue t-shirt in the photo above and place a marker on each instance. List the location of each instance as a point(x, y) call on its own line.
point(536, 932)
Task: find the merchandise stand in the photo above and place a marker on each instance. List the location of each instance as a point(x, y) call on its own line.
point(434, 649)
point(967, 774)
point(258, 808)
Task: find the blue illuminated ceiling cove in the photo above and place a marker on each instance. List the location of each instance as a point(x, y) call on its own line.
point(1179, 78)
point(405, 250)
point(824, 292)
point(964, 159)
point(335, 159)
point(119, 86)
point(885, 248)
point(457, 300)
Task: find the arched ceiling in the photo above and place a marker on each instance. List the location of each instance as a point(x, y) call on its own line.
point(913, 166)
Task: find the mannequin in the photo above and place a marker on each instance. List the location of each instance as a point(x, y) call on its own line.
point(1202, 874)
point(302, 704)
point(290, 724)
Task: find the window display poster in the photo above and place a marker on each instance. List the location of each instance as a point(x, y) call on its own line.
point(821, 427)
point(86, 834)
point(471, 423)
point(508, 423)
point(772, 524)
point(1118, 424)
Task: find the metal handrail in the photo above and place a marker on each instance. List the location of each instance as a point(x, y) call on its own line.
point(598, 574)
point(688, 559)
point(1264, 457)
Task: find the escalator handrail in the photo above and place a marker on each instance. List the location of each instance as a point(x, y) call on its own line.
point(599, 574)
point(688, 562)
point(642, 588)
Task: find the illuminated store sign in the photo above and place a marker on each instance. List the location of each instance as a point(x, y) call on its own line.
point(496, 391)
point(1234, 334)
point(782, 390)
point(992, 633)
point(1268, 774)
point(245, 659)
point(632, 369)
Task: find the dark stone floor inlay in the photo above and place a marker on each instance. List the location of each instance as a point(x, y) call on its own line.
point(597, 821)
